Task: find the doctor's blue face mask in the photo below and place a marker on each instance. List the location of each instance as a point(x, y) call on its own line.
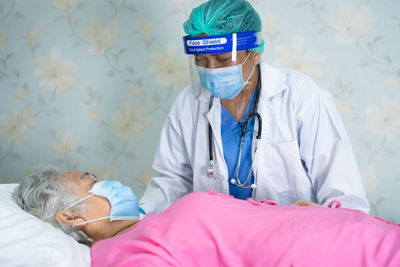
point(124, 204)
point(225, 82)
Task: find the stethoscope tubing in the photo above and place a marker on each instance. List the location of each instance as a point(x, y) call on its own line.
point(210, 170)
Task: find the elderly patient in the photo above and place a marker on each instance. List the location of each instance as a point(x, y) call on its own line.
point(204, 229)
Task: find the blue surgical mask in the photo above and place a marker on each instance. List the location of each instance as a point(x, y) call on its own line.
point(124, 204)
point(225, 82)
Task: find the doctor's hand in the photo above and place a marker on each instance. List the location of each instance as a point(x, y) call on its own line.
point(304, 203)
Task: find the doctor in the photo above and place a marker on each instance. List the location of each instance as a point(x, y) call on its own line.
point(247, 129)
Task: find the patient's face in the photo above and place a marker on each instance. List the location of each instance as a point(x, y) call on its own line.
point(98, 207)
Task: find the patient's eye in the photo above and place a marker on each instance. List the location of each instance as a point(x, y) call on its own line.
point(94, 177)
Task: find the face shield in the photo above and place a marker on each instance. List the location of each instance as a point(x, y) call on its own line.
point(216, 63)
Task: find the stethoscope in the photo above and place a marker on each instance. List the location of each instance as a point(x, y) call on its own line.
point(236, 181)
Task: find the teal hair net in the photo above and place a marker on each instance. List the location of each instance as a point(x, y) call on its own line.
point(218, 17)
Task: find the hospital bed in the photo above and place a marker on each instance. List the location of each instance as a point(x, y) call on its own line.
point(27, 241)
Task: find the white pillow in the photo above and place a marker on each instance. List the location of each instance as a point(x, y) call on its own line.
point(27, 241)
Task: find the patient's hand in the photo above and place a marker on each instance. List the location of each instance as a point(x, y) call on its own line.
point(305, 203)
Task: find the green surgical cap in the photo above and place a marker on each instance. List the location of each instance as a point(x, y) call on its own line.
point(218, 17)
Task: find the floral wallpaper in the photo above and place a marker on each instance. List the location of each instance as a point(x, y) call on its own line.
point(87, 85)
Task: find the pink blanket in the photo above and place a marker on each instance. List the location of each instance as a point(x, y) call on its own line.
point(210, 229)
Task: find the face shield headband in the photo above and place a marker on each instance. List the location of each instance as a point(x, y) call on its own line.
point(221, 43)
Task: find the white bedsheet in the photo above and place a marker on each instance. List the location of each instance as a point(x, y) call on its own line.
point(28, 241)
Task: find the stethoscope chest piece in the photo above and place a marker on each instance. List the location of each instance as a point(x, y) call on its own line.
point(210, 170)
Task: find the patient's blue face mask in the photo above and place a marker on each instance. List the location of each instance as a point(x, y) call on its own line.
point(124, 204)
point(225, 82)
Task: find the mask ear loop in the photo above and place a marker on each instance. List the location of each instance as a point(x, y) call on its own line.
point(251, 74)
point(78, 201)
point(247, 57)
point(94, 220)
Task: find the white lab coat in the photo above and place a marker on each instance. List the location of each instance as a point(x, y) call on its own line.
point(304, 152)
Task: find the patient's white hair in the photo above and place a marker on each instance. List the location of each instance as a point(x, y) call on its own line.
point(42, 194)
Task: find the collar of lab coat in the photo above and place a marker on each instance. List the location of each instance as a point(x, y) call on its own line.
point(273, 82)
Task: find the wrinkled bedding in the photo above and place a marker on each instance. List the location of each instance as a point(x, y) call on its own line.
point(211, 229)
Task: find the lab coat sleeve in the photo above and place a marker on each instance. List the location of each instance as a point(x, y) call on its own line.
point(326, 150)
point(171, 161)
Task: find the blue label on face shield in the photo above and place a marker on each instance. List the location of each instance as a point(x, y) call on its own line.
point(219, 43)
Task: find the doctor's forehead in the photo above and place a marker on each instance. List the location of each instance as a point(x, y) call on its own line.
point(240, 55)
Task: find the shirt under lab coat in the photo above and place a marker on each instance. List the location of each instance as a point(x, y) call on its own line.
point(304, 152)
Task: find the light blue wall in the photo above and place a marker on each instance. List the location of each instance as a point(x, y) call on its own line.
point(66, 101)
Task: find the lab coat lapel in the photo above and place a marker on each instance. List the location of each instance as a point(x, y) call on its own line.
point(272, 84)
point(214, 119)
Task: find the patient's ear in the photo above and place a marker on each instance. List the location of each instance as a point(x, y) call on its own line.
point(68, 217)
